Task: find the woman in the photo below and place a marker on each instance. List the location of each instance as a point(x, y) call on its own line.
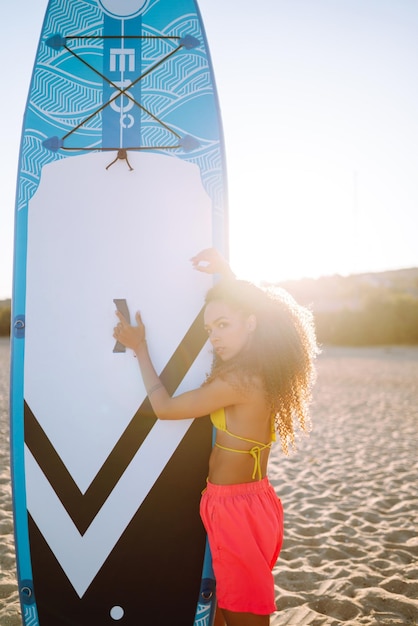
point(259, 384)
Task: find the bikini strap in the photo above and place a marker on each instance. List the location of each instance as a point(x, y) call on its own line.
point(255, 453)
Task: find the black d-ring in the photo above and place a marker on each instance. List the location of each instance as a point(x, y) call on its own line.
point(19, 326)
point(26, 592)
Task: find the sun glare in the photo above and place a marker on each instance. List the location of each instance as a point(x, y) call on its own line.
point(307, 228)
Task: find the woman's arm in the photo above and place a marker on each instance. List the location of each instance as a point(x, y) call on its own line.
point(196, 403)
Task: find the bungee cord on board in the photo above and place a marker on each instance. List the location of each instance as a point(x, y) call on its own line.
point(187, 143)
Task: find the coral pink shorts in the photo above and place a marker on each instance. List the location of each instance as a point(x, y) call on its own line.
point(244, 524)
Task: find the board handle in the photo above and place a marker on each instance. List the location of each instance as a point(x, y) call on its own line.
point(122, 307)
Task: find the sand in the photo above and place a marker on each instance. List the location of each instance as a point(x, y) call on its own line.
point(350, 496)
point(9, 598)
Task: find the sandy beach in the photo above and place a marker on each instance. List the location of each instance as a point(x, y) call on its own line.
point(350, 495)
point(9, 599)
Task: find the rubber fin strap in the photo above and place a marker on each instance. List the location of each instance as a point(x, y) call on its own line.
point(187, 142)
point(83, 508)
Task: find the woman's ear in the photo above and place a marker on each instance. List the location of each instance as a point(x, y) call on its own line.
point(251, 323)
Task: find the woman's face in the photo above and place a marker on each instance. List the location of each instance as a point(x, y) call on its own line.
point(229, 330)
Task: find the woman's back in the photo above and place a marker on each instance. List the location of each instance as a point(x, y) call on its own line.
point(242, 448)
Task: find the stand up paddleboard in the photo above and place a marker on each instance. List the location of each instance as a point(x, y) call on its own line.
point(121, 181)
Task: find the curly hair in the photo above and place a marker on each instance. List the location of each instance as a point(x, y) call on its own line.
point(281, 353)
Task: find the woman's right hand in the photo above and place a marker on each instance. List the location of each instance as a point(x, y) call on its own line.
point(132, 337)
point(211, 261)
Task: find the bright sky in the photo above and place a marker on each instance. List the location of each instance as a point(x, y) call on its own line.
point(319, 101)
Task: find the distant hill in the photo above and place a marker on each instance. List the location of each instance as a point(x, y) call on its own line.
point(362, 309)
point(5, 306)
point(333, 293)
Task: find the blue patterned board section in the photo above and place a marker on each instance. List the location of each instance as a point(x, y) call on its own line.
point(206, 607)
point(179, 92)
point(30, 616)
point(52, 108)
point(203, 615)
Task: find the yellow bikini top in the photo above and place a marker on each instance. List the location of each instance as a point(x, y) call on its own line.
point(218, 419)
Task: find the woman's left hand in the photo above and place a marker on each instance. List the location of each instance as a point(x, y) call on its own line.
point(132, 337)
point(211, 261)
